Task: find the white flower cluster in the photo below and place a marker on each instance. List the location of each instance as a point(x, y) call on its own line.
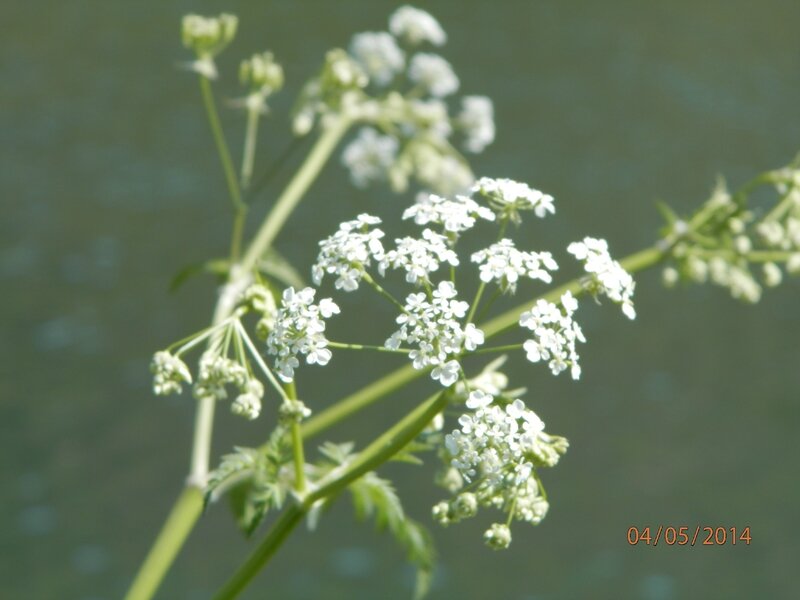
point(416, 26)
point(555, 333)
point(300, 330)
point(455, 215)
point(606, 275)
point(416, 120)
point(369, 156)
point(477, 122)
point(419, 257)
point(503, 263)
point(348, 252)
point(508, 197)
point(498, 447)
point(216, 372)
point(169, 373)
point(433, 327)
point(433, 75)
point(379, 56)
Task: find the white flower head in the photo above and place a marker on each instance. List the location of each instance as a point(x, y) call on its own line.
point(349, 252)
point(433, 328)
point(476, 120)
point(503, 263)
point(555, 334)
point(433, 74)
point(508, 197)
point(497, 447)
point(606, 275)
point(455, 215)
point(416, 26)
point(419, 257)
point(369, 156)
point(378, 55)
point(300, 330)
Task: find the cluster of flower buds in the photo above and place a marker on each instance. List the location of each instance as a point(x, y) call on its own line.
point(739, 247)
point(169, 373)
point(207, 37)
point(263, 77)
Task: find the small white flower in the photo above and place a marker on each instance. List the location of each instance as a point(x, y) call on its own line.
point(508, 197)
point(433, 74)
point(416, 26)
point(349, 252)
point(503, 263)
point(456, 215)
point(432, 327)
point(379, 56)
point(477, 122)
point(369, 156)
point(300, 330)
point(555, 334)
point(419, 257)
point(447, 373)
point(772, 274)
point(606, 275)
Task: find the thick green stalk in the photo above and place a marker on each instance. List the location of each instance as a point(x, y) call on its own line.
point(176, 529)
point(249, 152)
point(298, 454)
point(294, 191)
point(373, 456)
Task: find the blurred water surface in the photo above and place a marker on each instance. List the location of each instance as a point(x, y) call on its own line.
point(110, 184)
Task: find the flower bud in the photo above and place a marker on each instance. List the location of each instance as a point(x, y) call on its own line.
point(261, 72)
point(498, 536)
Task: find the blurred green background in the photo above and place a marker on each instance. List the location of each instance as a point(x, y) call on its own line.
point(110, 184)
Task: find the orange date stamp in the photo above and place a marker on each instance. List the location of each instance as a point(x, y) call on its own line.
point(688, 536)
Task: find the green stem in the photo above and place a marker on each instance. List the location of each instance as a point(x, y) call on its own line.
point(249, 153)
point(222, 145)
point(359, 400)
point(507, 348)
point(475, 302)
point(280, 530)
point(367, 347)
point(239, 207)
point(373, 456)
point(176, 529)
point(294, 191)
point(298, 455)
point(380, 289)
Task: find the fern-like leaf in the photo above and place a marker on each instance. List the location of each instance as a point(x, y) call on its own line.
point(376, 497)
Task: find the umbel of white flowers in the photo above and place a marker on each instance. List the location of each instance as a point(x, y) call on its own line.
point(434, 326)
point(397, 90)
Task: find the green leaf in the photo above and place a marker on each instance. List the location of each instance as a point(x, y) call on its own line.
point(218, 267)
point(376, 497)
point(666, 211)
point(252, 480)
point(276, 266)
